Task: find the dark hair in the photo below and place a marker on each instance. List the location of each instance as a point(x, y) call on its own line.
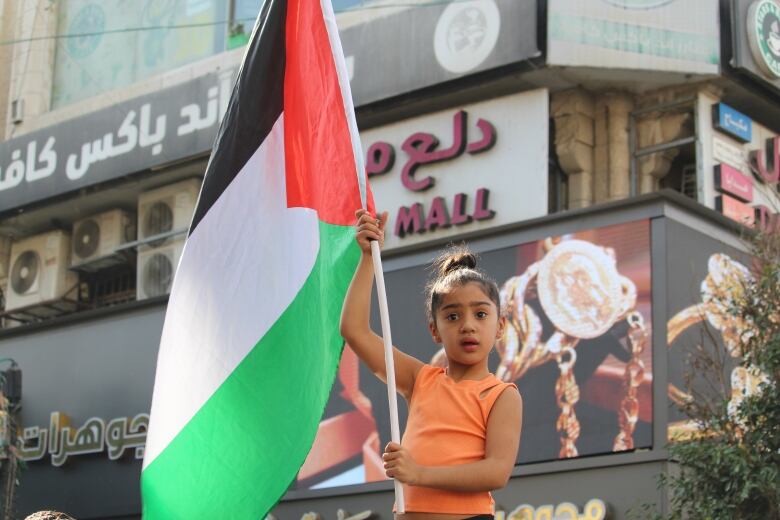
point(456, 267)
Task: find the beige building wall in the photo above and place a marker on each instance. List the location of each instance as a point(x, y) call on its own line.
point(33, 23)
point(27, 70)
point(7, 33)
point(592, 140)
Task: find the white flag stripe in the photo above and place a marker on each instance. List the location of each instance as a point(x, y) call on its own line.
point(346, 94)
point(217, 314)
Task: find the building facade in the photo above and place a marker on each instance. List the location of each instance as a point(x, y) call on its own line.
point(634, 136)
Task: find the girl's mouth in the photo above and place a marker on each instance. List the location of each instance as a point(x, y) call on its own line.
point(469, 345)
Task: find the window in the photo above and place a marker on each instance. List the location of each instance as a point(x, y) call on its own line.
point(106, 45)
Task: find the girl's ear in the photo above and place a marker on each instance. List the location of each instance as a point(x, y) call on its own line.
point(501, 326)
point(434, 332)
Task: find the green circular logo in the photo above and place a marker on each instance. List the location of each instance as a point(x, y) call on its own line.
point(764, 35)
point(86, 31)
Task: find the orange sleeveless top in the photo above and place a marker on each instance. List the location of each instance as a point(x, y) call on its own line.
point(447, 426)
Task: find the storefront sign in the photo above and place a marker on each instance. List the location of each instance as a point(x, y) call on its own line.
point(732, 122)
point(396, 51)
point(63, 441)
point(647, 34)
point(767, 162)
point(767, 219)
point(746, 177)
point(729, 180)
point(595, 509)
point(734, 209)
point(466, 169)
point(724, 151)
point(341, 514)
point(755, 41)
point(764, 36)
point(150, 130)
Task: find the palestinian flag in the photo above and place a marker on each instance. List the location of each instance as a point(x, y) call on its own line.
point(250, 345)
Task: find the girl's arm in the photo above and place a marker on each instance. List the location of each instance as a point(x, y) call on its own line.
point(492, 472)
point(355, 313)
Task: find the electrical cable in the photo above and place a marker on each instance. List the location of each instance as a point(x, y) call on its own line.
point(429, 3)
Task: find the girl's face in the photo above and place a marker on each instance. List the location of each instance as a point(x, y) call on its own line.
point(467, 323)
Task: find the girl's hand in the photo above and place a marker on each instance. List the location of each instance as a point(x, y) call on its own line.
point(400, 465)
point(369, 228)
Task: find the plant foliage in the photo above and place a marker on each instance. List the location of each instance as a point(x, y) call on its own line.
point(730, 469)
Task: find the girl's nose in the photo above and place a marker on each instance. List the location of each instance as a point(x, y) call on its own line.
point(467, 325)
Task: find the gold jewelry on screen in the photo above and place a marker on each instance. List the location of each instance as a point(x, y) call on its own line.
point(633, 376)
point(582, 293)
point(721, 290)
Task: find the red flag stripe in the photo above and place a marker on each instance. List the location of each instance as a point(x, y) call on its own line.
point(319, 160)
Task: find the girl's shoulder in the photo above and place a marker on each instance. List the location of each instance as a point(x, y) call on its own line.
point(429, 373)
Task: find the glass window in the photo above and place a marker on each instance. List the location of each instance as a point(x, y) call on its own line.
point(113, 43)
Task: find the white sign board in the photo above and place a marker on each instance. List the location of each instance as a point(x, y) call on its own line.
point(670, 35)
point(460, 170)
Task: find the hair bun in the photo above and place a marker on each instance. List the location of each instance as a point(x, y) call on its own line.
point(455, 258)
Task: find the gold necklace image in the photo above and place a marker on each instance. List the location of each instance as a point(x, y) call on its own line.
point(581, 292)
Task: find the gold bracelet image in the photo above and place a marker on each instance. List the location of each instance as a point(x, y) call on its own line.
point(721, 290)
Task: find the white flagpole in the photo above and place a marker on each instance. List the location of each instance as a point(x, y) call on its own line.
point(346, 91)
point(392, 396)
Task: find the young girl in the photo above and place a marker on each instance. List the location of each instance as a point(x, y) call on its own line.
point(463, 430)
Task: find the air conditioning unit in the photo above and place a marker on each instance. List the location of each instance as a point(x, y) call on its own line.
point(156, 268)
point(39, 270)
point(165, 209)
point(100, 235)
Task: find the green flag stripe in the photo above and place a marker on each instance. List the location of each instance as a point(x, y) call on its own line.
point(243, 448)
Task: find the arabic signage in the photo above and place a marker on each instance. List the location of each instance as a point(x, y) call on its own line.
point(731, 181)
point(745, 180)
point(748, 175)
point(341, 514)
point(62, 441)
point(150, 130)
point(460, 170)
point(732, 122)
point(594, 509)
point(669, 35)
point(82, 425)
point(755, 44)
point(182, 121)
